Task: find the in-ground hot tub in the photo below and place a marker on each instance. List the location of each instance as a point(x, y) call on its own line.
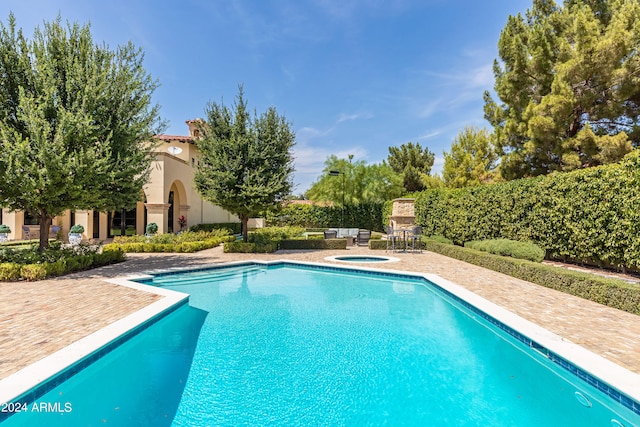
point(362, 258)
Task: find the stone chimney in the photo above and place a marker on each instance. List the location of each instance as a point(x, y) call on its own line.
point(403, 215)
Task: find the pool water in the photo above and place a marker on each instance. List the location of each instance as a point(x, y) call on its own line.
point(287, 345)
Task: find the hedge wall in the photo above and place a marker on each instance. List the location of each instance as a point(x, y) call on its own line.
point(611, 292)
point(314, 244)
point(234, 227)
point(368, 216)
point(591, 215)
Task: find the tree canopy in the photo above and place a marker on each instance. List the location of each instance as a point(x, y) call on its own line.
point(355, 182)
point(412, 162)
point(76, 119)
point(569, 82)
point(246, 165)
point(472, 160)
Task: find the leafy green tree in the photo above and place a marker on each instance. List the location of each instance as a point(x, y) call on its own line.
point(569, 83)
point(412, 161)
point(246, 164)
point(75, 121)
point(355, 182)
point(472, 160)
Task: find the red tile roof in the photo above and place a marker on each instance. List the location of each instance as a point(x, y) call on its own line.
point(179, 138)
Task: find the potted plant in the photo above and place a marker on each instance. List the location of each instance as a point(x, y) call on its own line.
point(152, 228)
point(75, 234)
point(182, 222)
point(4, 233)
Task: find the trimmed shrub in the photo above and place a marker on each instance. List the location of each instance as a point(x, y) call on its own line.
point(440, 239)
point(267, 234)
point(170, 243)
point(611, 292)
point(55, 268)
point(506, 247)
point(231, 227)
point(248, 247)
point(9, 271)
point(314, 244)
point(382, 244)
point(33, 272)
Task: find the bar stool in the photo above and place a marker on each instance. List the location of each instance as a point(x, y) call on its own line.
point(415, 237)
point(392, 238)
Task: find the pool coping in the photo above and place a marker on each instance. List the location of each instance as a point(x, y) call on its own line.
point(38, 375)
point(596, 371)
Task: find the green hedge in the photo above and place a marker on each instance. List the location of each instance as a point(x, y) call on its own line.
point(314, 244)
point(10, 271)
point(367, 216)
point(611, 292)
point(234, 227)
point(169, 247)
point(382, 244)
point(250, 247)
point(591, 215)
point(506, 247)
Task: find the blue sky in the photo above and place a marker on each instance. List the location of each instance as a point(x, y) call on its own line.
point(353, 76)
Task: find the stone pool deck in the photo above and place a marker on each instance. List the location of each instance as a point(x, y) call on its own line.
point(40, 318)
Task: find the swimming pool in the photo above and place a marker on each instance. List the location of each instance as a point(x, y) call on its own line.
point(292, 344)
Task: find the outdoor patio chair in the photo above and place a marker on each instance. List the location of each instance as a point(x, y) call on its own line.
point(26, 233)
point(330, 234)
point(363, 237)
point(415, 238)
point(392, 239)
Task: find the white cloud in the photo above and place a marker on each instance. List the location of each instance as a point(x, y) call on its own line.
point(357, 116)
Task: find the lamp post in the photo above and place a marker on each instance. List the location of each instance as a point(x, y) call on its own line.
point(336, 173)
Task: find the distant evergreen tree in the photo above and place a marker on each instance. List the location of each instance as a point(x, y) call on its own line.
point(412, 162)
point(246, 165)
point(75, 122)
point(472, 160)
point(569, 83)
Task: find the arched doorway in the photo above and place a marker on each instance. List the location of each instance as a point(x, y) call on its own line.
point(177, 200)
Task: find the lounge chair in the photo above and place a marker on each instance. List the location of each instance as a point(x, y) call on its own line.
point(330, 234)
point(363, 237)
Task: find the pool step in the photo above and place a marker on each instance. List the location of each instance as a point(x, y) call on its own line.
point(208, 277)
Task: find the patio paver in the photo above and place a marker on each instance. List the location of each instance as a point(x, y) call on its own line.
point(39, 318)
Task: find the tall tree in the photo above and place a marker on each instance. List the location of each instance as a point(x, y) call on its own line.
point(472, 160)
point(246, 165)
point(412, 161)
point(75, 122)
point(569, 82)
point(355, 182)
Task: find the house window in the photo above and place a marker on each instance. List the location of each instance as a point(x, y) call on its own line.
point(30, 220)
point(196, 133)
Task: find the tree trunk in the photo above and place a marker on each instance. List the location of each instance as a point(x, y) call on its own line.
point(245, 221)
point(45, 223)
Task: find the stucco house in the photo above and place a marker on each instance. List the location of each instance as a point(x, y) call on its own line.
point(169, 195)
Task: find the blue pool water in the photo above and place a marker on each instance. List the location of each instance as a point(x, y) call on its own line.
point(290, 345)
